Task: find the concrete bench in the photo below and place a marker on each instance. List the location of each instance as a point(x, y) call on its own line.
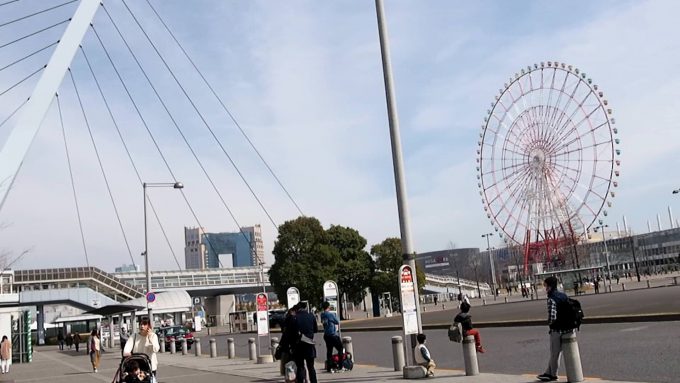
point(415, 372)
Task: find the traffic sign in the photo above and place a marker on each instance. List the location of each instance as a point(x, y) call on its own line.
point(197, 300)
point(150, 297)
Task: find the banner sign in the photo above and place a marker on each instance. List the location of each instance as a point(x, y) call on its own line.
point(408, 300)
point(262, 314)
point(293, 295)
point(330, 294)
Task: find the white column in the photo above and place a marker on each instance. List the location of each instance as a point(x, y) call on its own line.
point(32, 114)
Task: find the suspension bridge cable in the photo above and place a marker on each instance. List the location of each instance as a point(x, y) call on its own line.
point(36, 13)
point(8, 2)
point(179, 130)
point(129, 155)
point(28, 56)
point(226, 109)
point(13, 113)
point(73, 184)
point(22, 80)
point(34, 33)
point(101, 166)
point(153, 139)
point(200, 115)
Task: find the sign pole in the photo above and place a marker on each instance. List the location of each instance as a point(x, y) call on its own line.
point(409, 299)
point(330, 295)
point(262, 318)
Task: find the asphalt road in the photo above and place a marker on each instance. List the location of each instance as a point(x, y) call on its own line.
point(624, 303)
point(646, 351)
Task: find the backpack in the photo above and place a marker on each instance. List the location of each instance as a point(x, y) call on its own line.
point(347, 362)
point(290, 372)
point(456, 332)
point(569, 314)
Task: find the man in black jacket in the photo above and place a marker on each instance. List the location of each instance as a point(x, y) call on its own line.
point(465, 320)
point(305, 351)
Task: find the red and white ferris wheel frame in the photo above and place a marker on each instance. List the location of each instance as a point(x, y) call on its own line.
point(547, 156)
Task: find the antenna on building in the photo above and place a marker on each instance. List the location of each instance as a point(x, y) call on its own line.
point(625, 225)
point(670, 216)
point(658, 221)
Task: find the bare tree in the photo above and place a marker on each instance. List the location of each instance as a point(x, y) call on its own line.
point(474, 263)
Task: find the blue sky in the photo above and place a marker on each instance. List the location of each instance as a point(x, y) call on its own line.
point(304, 79)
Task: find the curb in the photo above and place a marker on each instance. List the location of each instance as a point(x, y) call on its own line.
point(658, 317)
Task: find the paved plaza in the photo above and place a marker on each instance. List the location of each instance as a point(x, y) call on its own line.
point(51, 365)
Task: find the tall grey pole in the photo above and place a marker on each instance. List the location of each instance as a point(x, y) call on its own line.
point(397, 160)
point(491, 264)
point(146, 259)
point(606, 254)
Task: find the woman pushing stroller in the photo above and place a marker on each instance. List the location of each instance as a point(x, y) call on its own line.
point(144, 342)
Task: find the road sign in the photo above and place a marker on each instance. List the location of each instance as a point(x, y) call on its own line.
point(150, 297)
point(408, 300)
point(262, 314)
point(197, 300)
point(293, 295)
point(330, 294)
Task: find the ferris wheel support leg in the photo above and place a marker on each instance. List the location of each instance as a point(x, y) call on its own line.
point(32, 114)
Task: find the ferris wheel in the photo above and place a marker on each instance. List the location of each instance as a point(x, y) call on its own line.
point(547, 158)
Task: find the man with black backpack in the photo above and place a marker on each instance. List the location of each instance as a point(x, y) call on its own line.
point(564, 316)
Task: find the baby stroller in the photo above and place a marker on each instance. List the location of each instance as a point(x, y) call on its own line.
point(135, 368)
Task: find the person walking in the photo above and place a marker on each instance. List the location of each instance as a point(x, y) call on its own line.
point(144, 342)
point(124, 336)
point(5, 354)
point(289, 336)
point(422, 355)
point(76, 341)
point(555, 299)
point(69, 340)
point(60, 340)
point(305, 350)
point(331, 325)
point(94, 347)
point(465, 320)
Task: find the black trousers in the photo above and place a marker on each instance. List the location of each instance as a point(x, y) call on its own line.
point(332, 342)
point(305, 354)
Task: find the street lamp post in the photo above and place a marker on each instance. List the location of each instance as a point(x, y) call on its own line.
point(455, 263)
point(606, 253)
point(175, 185)
point(491, 266)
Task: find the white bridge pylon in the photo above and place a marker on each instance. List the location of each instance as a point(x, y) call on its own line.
point(33, 113)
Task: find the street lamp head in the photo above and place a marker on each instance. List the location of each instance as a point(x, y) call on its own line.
point(178, 185)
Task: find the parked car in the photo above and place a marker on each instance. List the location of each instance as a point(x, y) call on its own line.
point(276, 317)
point(175, 334)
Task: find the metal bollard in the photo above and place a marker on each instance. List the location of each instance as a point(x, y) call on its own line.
point(274, 345)
point(173, 347)
point(675, 281)
point(443, 306)
point(623, 287)
point(197, 346)
point(252, 354)
point(231, 351)
point(470, 356)
point(162, 343)
point(483, 302)
point(572, 358)
point(347, 345)
point(213, 348)
point(398, 353)
point(506, 299)
point(648, 286)
point(185, 347)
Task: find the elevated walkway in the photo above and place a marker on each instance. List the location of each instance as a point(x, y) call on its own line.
point(82, 297)
point(75, 277)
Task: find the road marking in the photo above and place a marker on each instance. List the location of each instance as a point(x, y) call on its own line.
point(634, 328)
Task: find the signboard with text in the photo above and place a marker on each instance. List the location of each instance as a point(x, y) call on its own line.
point(330, 294)
point(408, 300)
point(262, 314)
point(293, 295)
